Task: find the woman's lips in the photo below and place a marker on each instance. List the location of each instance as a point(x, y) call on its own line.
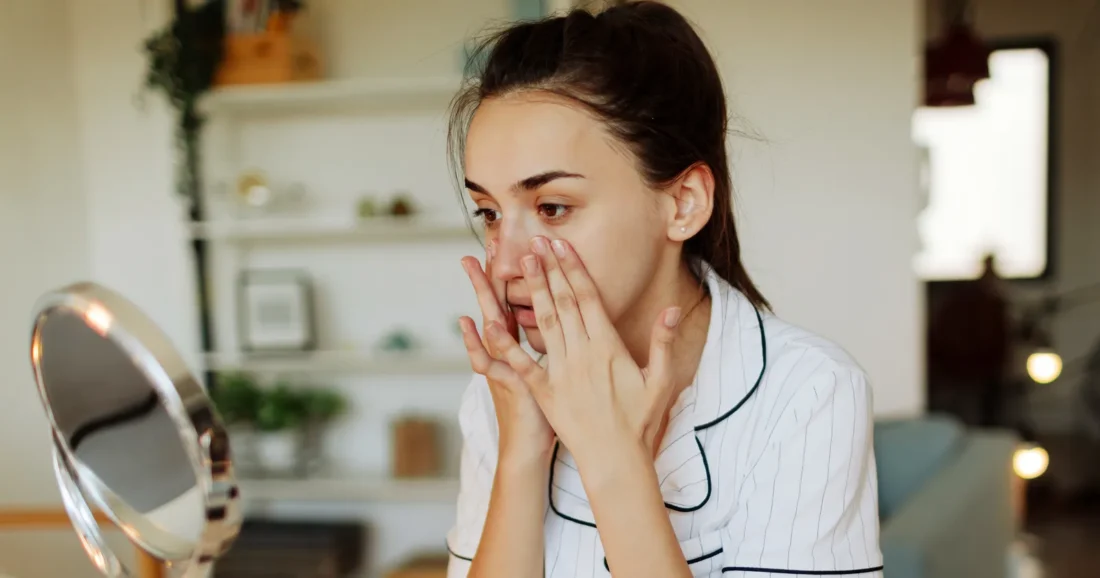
point(525, 316)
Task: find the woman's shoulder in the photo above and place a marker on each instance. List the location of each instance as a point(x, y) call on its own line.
point(789, 343)
point(802, 364)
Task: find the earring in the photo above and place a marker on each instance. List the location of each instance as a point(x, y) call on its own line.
point(683, 229)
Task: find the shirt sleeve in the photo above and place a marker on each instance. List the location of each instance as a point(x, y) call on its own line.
point(809, 505)
point(477, 466)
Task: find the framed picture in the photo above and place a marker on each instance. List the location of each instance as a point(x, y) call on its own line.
point(275, 311)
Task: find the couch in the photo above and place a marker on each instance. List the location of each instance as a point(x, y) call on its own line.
point(945, 498)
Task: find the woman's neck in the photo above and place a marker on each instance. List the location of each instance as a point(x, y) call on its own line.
point(678, 286)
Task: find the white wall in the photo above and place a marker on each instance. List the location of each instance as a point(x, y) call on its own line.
point(827, 201)
point(135, 221)
point(43, 245)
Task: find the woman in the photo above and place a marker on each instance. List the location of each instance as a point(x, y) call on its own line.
point(672, 426)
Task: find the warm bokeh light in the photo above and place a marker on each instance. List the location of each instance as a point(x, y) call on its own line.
point(99, 318)
point(1044, 366)
point(1030, 461)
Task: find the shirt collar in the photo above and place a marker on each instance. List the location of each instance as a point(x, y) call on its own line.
point(729, 372)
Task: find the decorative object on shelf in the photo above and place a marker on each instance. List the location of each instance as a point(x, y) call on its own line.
point(276, 311)
point(398, 341)
point(182, 60)
point(416, 447)
point(367, 207)
point(263, 47)
point(402, 205)
point(253, 192)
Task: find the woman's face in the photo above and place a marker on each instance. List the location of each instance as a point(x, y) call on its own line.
point(538, 165)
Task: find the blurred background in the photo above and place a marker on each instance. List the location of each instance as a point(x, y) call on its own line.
point(915, 179)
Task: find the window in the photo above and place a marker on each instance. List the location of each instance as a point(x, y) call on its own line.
point(985, 174)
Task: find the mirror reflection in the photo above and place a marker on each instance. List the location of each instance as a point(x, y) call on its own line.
point(116, 426)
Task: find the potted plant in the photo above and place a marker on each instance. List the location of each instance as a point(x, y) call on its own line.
point(237, 397)
point(322, 406)
point(279, 425)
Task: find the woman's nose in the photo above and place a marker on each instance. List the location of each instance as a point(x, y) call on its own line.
point(508, 250)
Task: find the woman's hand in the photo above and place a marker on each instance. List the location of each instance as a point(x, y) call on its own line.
point(593, 393)
point(524, 431)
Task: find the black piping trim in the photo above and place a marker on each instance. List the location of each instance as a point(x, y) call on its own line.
point(706, 498)
point(805, 572)
point(755, 386)
point(452, 553)
point(141, 409)
point(550, 490)
point(673, 507)
point(707, 556)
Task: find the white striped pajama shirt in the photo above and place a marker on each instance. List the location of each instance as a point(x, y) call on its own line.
point(766, 468)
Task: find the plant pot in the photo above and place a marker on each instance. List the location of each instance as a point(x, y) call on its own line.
point(279, 452)
point(242, 447)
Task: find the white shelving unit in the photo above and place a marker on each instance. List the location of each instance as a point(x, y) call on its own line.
point(319, 96)
point(374, 230)
point(378, 364)
point(341, 138)
point(349, 489)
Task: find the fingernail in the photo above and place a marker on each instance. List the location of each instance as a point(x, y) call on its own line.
point(530, 264)
point(672, 317)
point(539, 245)
point(559, 247)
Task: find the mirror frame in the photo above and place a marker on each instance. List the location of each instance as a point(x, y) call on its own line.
point(201, 430)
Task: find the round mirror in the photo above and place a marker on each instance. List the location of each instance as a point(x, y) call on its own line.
point(135, 435)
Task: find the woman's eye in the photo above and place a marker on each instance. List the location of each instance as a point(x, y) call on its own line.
point(488, 216)
point(553, 211)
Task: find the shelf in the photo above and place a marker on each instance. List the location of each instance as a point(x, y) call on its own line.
point(340, 362)
point(319, 96)
point(306, 230)
point(349, 489)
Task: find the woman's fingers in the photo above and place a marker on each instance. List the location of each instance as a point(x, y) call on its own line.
point(528, 370)
point(481, 362)
point(589, 303)
point(486, 298)
point(565, 302)
point(499, 288)
point(659, 370)
point(546, 315)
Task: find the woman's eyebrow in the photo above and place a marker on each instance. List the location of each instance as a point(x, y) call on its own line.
point(530, 183)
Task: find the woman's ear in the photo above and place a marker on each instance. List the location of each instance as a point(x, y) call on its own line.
point(692, 196)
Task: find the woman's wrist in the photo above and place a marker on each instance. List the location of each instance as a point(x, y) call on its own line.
point(607, 460)
point(523, 458)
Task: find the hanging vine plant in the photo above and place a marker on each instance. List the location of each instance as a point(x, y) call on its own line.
point(183, 59)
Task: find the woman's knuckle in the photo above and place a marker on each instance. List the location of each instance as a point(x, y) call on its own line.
point(565, 302)
point(548, 321)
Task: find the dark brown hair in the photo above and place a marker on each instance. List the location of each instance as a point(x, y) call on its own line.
point(641, 68)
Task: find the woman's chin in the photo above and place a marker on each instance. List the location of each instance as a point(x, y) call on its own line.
point(534, 340)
